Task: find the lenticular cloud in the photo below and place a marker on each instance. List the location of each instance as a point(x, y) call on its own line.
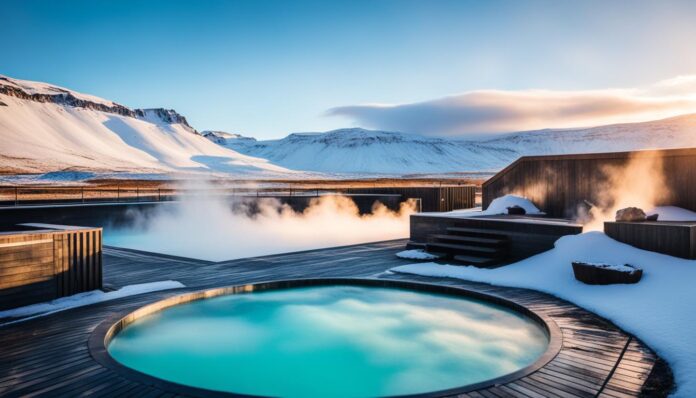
point(494, 111)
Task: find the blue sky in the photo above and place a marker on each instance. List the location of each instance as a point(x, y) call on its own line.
point(268, 68)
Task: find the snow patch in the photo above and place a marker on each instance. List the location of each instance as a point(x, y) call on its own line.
point(417, 254)
point(672, 213)
point(614, 267)
point(86, 298)
point(498, 206)
point(658, 309)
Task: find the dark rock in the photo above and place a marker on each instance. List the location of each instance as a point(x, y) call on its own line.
point(606, 274)
point(516, 210)
point(630, 214)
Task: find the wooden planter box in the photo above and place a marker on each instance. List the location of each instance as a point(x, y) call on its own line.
point(594, 274)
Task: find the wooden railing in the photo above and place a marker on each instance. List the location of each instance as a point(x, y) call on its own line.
point(433, 198)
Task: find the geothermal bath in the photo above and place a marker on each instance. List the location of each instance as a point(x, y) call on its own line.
point(345, 339)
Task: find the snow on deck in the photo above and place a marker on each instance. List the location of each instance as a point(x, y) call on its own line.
point(658, 310)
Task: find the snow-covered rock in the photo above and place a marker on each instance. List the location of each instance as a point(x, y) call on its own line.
point(501, 204)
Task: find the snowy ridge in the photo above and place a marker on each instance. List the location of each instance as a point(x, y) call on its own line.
point(364, 151)
point(44, 89)
point(224, 138)
point(45, 128)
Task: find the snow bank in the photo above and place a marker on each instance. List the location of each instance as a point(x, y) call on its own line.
point(672, 213)
point(500, 205)
point(658, 309)
point(87, 298)
point(417, 254)
point(497, 206)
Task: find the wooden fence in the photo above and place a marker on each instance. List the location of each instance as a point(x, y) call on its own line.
point(46, 262)
point(433, 198)
point(560, 185)
point(444, 198)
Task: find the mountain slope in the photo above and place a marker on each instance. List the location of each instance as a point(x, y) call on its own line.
point(364, 151)
point(47, 128)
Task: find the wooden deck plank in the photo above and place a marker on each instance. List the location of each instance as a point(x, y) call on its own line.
point(49, 355)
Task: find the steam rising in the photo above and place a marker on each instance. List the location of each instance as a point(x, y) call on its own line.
point(638, 184)
point(208, 228)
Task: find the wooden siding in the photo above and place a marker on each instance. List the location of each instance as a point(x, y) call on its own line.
point(672, 238)
point(558, 185)
point(445, 198)
point(42, 265)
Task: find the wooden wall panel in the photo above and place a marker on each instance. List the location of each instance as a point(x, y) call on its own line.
point(46, 264)
point(672, 238)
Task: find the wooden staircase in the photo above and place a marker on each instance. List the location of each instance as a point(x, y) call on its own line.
point(471, 246)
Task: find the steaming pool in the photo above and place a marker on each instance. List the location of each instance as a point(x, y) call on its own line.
point(321, 338)
point(210, 230)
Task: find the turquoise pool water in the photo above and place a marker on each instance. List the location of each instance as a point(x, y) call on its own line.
point(331, 341)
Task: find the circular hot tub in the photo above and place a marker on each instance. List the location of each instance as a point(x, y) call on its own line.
point(330, 338)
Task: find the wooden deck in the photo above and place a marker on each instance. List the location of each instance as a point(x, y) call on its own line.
point(49, 356)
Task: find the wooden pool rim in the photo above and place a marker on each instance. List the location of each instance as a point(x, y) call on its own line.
point(108, 329)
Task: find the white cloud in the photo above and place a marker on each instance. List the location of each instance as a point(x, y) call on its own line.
point(490, 111)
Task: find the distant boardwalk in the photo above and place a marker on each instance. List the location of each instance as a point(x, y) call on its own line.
point(49, 356)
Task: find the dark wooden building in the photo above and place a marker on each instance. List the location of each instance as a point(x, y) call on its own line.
point(44, 262)
point(560, 184)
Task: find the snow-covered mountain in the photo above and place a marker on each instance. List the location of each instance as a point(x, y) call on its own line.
point(46, 128)
point(357, 150)
point(365, 151)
